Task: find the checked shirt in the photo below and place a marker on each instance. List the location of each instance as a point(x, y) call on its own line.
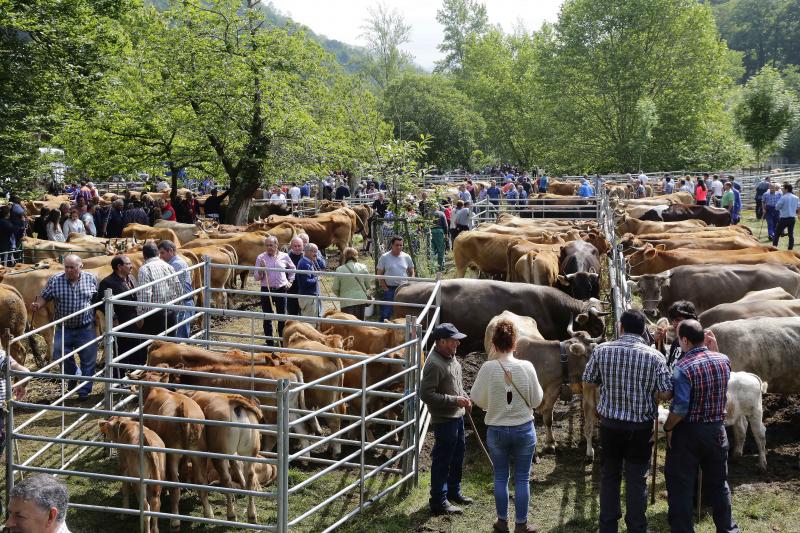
point(628, 372)
point(166, 291)
point(701, 385)
point(71, 297)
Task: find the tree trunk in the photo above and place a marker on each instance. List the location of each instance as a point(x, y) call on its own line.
point(173, 170)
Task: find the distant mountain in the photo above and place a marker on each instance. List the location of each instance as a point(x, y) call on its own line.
point(352, 58)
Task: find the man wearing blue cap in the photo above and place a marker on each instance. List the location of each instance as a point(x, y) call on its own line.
point(442, 388)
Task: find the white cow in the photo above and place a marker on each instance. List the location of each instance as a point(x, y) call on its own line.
point(526, 328)
point(745, 391)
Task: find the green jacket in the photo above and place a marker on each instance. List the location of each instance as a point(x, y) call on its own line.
point(440, 386)
point(351, 287)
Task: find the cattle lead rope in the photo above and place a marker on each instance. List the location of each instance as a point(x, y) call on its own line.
point(478, 436)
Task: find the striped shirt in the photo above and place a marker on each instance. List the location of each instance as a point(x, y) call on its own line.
point(179, 265)
point(163, 292)
point(4, 363)
point(629, 373)
point(700, 383)
point(70, 297)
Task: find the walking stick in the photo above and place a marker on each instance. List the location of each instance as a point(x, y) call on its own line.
point(761, 226)
point(655, 463)
point(478, 436)
point(699, 493)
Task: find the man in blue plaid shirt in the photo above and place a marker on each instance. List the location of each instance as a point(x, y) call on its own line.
point(630, 375)
point(70, 292)
point(696, 433)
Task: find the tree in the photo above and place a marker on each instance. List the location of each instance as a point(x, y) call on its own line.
point(52, 54)
point(608, 59)
point(399, 164)
point(421, 104)
point(766, 112)
point(385, 31)
point(461, 19)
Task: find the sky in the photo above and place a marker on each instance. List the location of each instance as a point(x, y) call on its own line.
point(342, 19)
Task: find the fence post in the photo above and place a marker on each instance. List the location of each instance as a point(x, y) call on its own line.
point(206, 298)
point(408, 406)
point(108, 349)
point(362, 489)
point(282, 437)
point(9, 430)
point(417, 403)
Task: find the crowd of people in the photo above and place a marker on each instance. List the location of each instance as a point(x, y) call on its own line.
point(631, 376)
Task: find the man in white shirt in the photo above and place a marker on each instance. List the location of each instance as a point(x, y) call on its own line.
point(393, 263)
point(277, 198)
point(716, 187)
point(294, 193)
point(38, 504)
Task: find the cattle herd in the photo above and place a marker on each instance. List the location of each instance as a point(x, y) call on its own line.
point(544, 274)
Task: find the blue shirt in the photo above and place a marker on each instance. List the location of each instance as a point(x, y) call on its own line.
point(493, 193)
point(308, 284)
point(737, 203)
point(177, 265)
point(305, 190)
point(669, 187)
point(585, 190)
point(787, 205)
point(771, 198)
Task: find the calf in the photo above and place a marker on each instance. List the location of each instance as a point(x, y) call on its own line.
point(367, 339)
point(186, 436)
point(232, 440)
point(745, 393)
point(546, 359)
point(315, 367)
point(125, 431)
point(310, 332)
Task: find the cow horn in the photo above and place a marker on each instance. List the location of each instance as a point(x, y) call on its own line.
point(571, 276)
point(570, 331)
point(594, 312)
point(635, 278)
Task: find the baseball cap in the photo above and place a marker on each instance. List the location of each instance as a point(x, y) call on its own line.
point(447, 331)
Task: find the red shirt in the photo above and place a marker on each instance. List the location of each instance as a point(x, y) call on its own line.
point(700, 193)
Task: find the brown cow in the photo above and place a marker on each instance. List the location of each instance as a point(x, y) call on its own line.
point(335, 341)
point(185, 232)
point(14, 317)
point(367, 339)
point(229, 440)
point(125, 431)
point(546, 359)
point(519, 249)
point(220, 277)
point(736, 242)
point(143, 233)
point(326, 229)
point(188, 436)
point(485, 251)
point(539, 267)
point(636, 226)
point(315, 367)
point(248, 246)
point(652, 260)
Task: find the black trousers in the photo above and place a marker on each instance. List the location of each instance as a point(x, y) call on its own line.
point(154, 324)
point(784, 223)
point(270, 302)
point(626, 449)
point(698, 445)
point(292, 305)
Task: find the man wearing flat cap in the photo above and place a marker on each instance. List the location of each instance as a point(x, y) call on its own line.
point(442, 389)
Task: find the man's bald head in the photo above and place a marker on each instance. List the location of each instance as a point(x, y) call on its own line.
point(72, 267)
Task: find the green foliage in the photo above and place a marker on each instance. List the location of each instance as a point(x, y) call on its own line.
point(766, 112)
point(399, 164)
point(461, 19)
point(500, 75)
point(422, 104)
point(386, 31)
point(52, 54)
point(613, 67)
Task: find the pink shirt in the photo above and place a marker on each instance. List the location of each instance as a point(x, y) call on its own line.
point(271, 279)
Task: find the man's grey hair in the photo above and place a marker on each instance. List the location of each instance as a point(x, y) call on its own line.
point(310, 247)
point(271, 239)
point(74, 257)
point(167, 245)
point(297, 238)
point(45, 491)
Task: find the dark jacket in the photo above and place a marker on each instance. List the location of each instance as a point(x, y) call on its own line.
point(123, 313)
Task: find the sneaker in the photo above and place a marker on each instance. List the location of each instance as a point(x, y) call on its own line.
point(447, 508)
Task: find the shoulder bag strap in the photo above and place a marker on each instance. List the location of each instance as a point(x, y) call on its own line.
point(508, 375)
point(357, 280)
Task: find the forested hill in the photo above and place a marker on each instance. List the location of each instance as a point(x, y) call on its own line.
point(352, 58)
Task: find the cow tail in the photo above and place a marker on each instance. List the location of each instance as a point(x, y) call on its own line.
point(241, 403)
point(192, 433)
point(531, 269)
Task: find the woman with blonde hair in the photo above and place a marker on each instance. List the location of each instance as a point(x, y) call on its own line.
point(354, 287)
point(508, 390)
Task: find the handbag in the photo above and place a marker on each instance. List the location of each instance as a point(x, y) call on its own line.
point(369, 310)
point(508, 375)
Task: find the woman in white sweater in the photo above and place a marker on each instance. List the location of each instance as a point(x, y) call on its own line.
point(53, 227)
point(508, 390)
point(73, 224)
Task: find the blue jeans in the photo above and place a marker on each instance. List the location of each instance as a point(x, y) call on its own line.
point(74, 338)
point(184, 331)
point(387, 310)
point(447, 460)
point(772, 220)
point(517, 444)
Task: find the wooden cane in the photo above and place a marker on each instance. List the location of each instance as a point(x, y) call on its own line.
point(699, 493)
